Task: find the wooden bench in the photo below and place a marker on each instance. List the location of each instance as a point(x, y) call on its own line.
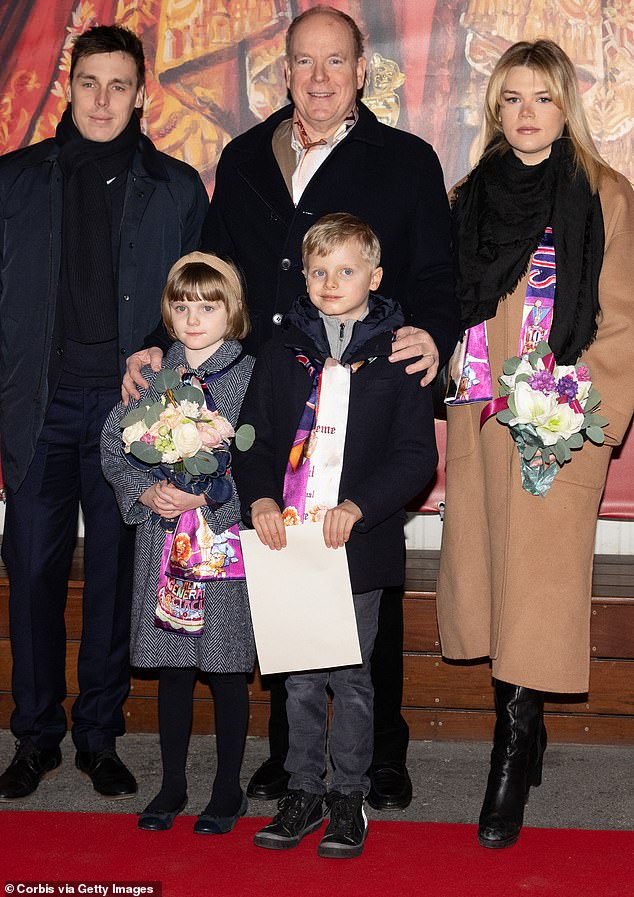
point(441, 700)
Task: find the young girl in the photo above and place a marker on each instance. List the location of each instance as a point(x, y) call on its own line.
point(203, 309)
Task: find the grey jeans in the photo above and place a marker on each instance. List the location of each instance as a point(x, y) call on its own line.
point(351, 728)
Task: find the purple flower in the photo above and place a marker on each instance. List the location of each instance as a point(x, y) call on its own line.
point(542, 381)
point(567, 386)
point(583, 374)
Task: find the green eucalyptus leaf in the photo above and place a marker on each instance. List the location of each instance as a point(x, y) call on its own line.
point(191, 466)
point(167, 378)
point(559, 451)
point(505, 416)
point(542, 349)
point(145, 452)
point(189, 394)
point(523, 378)
point(245, 437)
point(566, 447)
point(134, 416)
point(593, 400)
point(512, 406)
point(207, 463)
point(575, 441)
point(596, 420)
point(511, 365)
point(153, 413)
point(529, 452)
point(596, 435)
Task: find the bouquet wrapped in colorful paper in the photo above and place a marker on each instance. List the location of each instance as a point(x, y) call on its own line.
point(550, 411)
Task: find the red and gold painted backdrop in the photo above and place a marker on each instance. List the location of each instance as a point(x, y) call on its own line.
point(215, 66)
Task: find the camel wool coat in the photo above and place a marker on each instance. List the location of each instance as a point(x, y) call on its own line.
point(516, 569)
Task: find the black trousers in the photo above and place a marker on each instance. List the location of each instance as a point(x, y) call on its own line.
point(391, 732)
point(39, 538)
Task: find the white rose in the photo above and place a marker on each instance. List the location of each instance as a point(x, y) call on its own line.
point(583, 391)
point(187, 440)
point(532, 406)
point(563, 422)
point(133, 433)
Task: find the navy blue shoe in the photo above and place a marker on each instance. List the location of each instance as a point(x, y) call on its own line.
point(159, 820)
point(219, 825)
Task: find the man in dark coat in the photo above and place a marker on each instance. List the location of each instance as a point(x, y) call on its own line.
point(90, 223)
point(326, 152)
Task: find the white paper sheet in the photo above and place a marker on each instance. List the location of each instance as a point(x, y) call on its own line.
point(301, 602)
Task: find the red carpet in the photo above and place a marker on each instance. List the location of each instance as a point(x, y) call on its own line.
point(400, 859)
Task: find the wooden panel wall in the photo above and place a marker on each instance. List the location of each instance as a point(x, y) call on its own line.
point(441, 700)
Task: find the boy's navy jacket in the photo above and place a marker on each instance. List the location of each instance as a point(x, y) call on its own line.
point(390, 449)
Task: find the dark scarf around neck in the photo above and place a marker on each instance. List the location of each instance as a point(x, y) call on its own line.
point(90, 311)
point(499, 215)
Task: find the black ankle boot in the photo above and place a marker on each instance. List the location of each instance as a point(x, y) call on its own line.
point(519, 743)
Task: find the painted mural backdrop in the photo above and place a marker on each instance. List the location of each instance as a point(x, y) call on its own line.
point(215, 66)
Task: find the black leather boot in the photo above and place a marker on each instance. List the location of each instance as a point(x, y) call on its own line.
point(519, 743)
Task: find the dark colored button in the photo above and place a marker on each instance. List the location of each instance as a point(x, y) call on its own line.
point(286, 264)
point(60, 350)
point(131, 244)
point(123, 352)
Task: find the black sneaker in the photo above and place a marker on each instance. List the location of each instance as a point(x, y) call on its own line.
point(348, 826)
point(298, 814)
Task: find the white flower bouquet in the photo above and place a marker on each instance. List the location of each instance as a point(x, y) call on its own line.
point(179, 439)
point(550, 411)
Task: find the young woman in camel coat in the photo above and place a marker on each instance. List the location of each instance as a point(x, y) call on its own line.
point(515, 573)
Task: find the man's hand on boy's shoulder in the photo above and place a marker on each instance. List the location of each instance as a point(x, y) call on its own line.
point(338, 523)
point(268, 523)
point(412, 342)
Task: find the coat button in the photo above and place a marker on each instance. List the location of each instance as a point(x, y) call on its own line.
point(60, 351)
point(277, 318)
point(286, 264)
point(126, 298)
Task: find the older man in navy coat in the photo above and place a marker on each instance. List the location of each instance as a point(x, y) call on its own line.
point(326, 152)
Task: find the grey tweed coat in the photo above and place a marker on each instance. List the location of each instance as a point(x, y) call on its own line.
point(226, 645)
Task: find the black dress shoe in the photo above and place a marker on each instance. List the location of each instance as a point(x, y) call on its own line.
point(109, 775)
point(28, 767)
point(269, 781)
point(390, 787)
point(159, 820)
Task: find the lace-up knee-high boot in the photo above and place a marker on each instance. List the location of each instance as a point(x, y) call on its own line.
point(519, 743)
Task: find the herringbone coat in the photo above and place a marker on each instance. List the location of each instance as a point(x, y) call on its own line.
point(226, 645)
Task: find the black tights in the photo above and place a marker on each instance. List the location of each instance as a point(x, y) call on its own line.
point(175, 709)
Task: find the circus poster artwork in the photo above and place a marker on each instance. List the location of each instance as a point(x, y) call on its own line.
point(215, 67)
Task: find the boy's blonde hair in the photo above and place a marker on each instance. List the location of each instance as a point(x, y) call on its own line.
point(331, 231)
point(203, 277)
point(550, 61)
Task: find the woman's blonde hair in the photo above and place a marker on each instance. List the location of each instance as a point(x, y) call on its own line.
point(203, 277)
point(558, 72)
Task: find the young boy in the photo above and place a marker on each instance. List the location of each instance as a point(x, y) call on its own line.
point(347, 438)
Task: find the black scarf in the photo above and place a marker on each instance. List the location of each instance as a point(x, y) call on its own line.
point(89, 290)
point(498, 219)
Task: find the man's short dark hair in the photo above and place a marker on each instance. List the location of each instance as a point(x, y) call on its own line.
point(109, 39)
point(357, 37)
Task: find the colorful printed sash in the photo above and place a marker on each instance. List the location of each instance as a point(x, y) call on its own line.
point(193, 554)
point(313, 471)
point(470, 370)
